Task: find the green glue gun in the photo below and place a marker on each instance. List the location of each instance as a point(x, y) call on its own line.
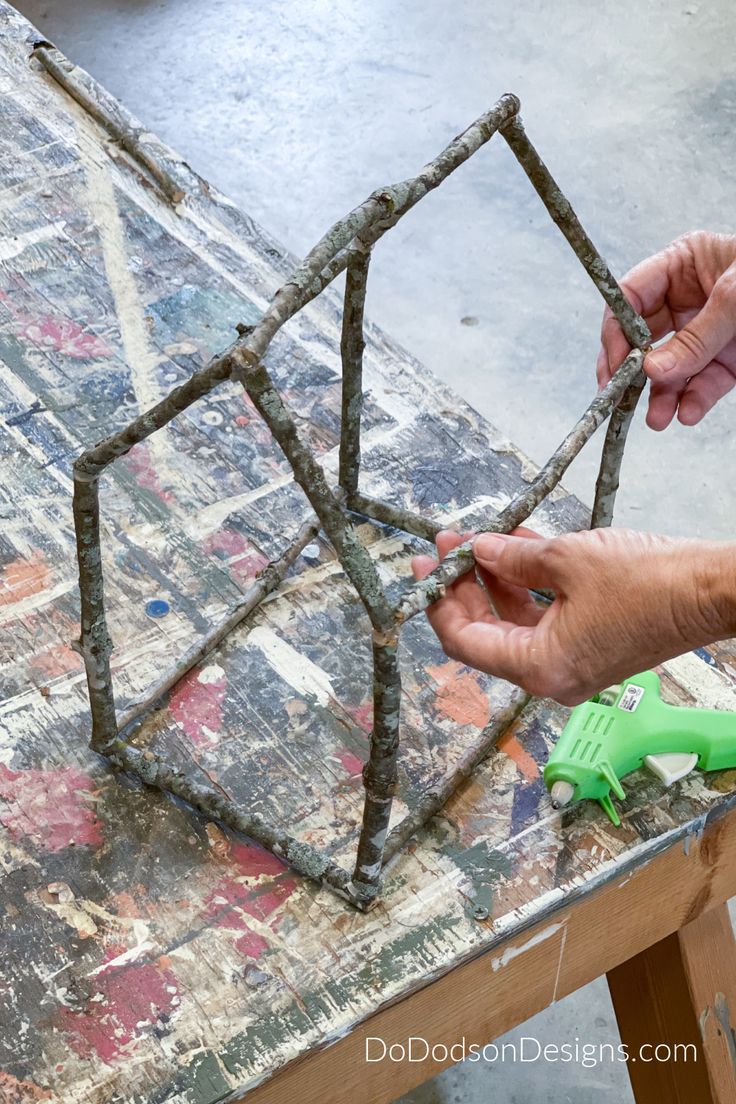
point(627, 725)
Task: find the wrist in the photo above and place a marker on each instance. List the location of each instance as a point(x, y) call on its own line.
point(714, 583)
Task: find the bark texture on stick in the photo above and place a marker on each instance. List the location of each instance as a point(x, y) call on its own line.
point(352, 345)
point(613, 453)
point(461, 559)
point(94, 645)
point(353, 556)
point(108, 113)
point(379, 773)
point(396, 516)
point(154, 771)
point(561, 211)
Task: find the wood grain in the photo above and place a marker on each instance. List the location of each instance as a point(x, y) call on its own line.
point(681, 992)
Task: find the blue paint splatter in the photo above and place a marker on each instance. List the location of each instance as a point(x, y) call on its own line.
point(157, 607)
point(703, 654)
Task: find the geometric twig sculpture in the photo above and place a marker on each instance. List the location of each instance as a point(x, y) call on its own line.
point(345, 247)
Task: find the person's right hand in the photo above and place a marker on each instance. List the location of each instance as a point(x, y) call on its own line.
point(688, 288)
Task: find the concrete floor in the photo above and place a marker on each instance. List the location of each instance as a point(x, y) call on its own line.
point(297, 110)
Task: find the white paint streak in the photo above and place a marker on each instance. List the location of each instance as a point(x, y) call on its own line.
point(15, 245)
point(211, 674)
point(131, 955)
point(563, 941)
point(211, 518)
point(511, 953)
point(141, 357)
point(709, 686)
point(299, 672)
point(12, 610)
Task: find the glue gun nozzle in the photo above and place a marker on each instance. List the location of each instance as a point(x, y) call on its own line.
point(561, 793)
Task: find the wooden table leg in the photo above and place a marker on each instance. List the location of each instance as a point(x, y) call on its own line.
point(681, 990)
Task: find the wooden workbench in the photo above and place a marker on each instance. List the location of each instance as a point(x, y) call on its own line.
point(149, 957)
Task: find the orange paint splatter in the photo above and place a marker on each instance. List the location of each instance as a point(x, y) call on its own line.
point(13, 1091)
point(459, 694)
point(22, 578)
point(522, 758)
point(59, 660)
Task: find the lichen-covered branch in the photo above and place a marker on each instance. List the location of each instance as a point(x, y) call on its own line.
point(407, 520)
point(352, 345)
point(353, 556)
point(633, 325)
point(613, 453)
point(379, 773)
point(154, 771)
point(433, 800)
point(456, 563)
point(108, 113)
point(94, 643)
point(266, 582)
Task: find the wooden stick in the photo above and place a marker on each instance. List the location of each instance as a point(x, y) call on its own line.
point(379, 773)
point(109, 114)
point(433, 800)
point(561, 212)
point(461, 559)
point(266, 582)
point(94, 643)
point(351, 348)
point(407, 520)
point(154, 771)
point(613, 453)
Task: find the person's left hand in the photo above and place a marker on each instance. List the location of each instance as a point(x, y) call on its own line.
point(625, 601)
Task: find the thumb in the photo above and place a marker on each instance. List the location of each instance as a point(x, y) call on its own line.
point(518, 560)
point(695, 345)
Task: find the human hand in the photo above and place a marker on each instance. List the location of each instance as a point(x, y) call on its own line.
point(625, 601)
point(688, 288)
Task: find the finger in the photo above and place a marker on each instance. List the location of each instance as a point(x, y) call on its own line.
point(446, 540)
point(498, 648)
point(703, 392)
point(422, 566)
point(512, 603)
point(662, 406)
point(694, 346)
point(518, 560)
point(465, 591)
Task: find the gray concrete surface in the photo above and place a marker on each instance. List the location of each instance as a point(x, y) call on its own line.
point(298, 109)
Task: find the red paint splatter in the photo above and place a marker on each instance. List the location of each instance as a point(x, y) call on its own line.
point(127, 1001)
point(252, 860)
point(231, 902)
point(55, 661)
point(63, 335)
point(362, 715)
point(352, 764)
point(251, 944)
point(243, 560)
point(196, 704)
point(138, 463)
point(49, 806)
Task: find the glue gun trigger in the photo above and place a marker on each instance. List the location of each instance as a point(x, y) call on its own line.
point(671, 766)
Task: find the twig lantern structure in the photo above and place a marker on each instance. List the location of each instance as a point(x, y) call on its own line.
point(346, 246)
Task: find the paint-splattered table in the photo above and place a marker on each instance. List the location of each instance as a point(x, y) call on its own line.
point(147, 956)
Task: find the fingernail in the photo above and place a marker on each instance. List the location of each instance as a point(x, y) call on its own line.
point(663, 361)
point(489, 545)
